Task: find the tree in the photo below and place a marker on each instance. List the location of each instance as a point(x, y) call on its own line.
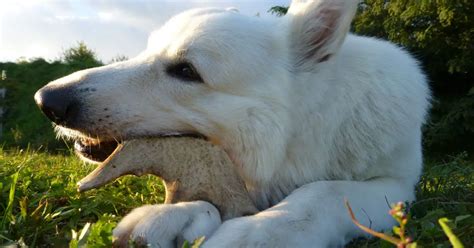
point(81, 57)
point(278, 10)
point(439, 32)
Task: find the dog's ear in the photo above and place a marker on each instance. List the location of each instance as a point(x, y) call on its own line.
point(318, 28)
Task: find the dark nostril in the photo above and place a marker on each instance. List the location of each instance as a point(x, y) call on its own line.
point(56, 104)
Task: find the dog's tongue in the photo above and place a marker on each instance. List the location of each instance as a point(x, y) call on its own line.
point(104, 173)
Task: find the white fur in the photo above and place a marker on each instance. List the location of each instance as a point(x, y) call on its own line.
point(150, 223)
point(308, 114)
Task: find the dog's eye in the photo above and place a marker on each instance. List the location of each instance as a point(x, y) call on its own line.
point(184, 71)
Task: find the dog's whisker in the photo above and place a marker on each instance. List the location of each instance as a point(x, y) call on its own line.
point(115, 138)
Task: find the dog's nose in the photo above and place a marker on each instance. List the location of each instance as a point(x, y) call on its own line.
point(57, 104)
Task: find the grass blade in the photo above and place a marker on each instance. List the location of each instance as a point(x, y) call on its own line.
point(11, 200)
point(447, 230)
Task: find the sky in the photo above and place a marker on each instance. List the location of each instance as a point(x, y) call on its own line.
point(45, 28)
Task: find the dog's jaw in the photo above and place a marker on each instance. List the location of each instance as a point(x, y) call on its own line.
point(97, 148)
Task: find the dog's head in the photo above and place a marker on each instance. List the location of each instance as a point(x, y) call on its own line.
point(207, 72)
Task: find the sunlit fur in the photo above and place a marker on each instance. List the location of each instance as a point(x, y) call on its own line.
point(308, 114)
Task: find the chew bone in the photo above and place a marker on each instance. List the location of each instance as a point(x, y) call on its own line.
point(192, 169)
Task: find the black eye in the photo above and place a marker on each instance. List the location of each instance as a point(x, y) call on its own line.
point(184, 71)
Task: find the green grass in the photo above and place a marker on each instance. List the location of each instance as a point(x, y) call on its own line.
point(39, 204)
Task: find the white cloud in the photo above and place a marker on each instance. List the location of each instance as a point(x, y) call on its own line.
point(41, 28)
point(106, 16)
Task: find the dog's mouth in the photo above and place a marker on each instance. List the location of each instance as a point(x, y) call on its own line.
point(94, 149)
point(98, 150)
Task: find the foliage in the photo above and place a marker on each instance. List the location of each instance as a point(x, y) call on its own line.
point(401, 239)
point(81, 57)
point(440, 31)
point(452, 125)
point(97, 234)
point(24, 124)
point(445, 224)
point(278, 10)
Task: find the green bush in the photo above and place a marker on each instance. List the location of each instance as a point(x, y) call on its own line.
point(24, 124)
point(81, 57)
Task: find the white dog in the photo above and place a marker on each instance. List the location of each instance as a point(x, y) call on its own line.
point(308, 114)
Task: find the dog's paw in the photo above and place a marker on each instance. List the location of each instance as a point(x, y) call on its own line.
point(249, 231)
point(265, 229)
point(164, 225)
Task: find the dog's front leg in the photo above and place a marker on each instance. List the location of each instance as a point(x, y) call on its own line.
point(167, 225)
point(315, 215)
